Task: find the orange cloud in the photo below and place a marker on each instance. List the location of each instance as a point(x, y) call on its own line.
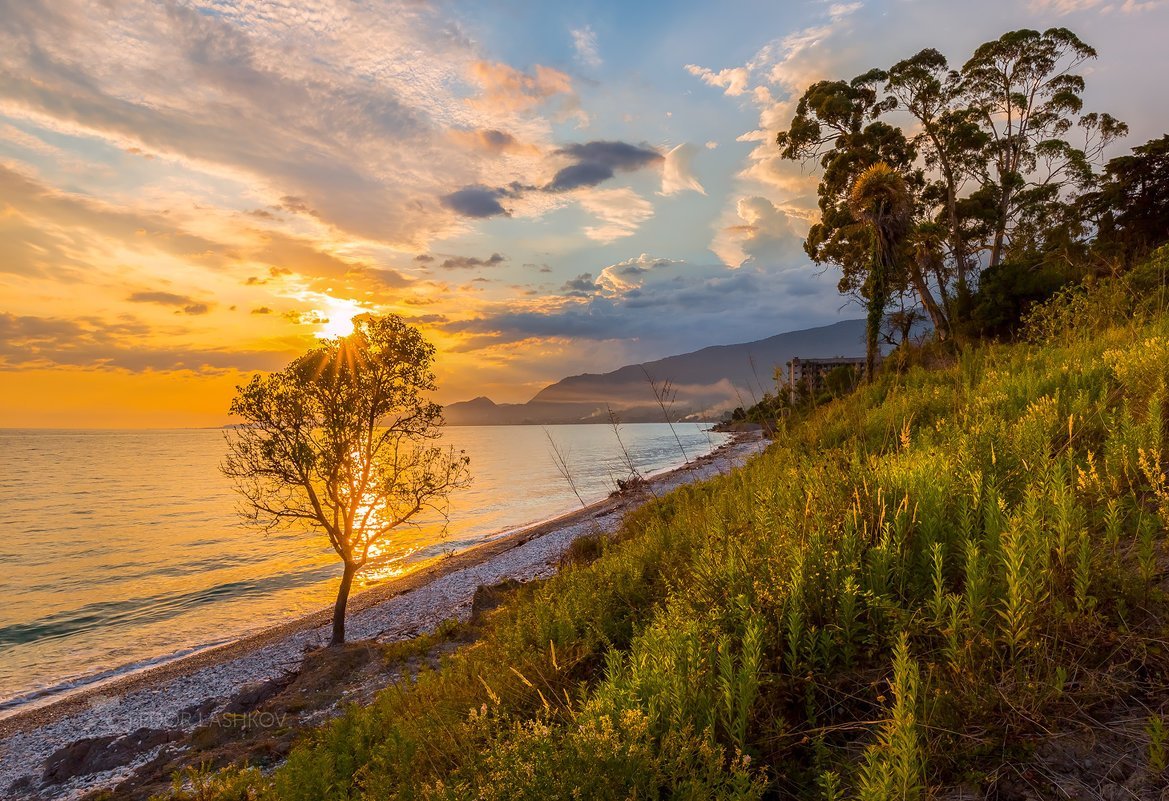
point(506, 89)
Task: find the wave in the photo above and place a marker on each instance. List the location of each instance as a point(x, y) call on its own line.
point(137, 612)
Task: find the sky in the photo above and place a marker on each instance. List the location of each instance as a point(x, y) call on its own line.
point(192, 191)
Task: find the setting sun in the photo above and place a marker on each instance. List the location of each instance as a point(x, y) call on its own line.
point(337, 318)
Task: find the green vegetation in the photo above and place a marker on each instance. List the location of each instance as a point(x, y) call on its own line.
point(929, 583)
point(965, 197)
point(1009, 197)
point(915, 588)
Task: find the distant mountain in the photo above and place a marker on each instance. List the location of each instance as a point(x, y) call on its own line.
point(708, 382)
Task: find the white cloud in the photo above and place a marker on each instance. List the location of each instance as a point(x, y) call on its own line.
point(630, 274)
point(661, 306)
point(1135, 7)
point(584, 41)
point(1064, 7)
point(620, 211)
point(329, 104)
point(756, 228)
point(773, 198)
point(733, 81)
point(678, 172)
point(841, 10)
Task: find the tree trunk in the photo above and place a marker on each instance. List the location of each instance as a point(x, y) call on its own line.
point(958, 246)
point(996, 251)
point(957, 241)
point(1000, 225)
point(878, 300)
point(339, 607)
point(872, 331)
point(937, 316)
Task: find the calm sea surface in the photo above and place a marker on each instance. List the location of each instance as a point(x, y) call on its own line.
point(123, 548)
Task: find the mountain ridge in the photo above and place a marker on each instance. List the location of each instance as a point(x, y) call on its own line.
point(706, 382)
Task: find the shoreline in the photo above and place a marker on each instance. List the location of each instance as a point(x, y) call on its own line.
point(431, 567)
point(393, 610)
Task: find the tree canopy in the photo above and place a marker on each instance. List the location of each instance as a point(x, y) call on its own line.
point(341, 441)
point(880, 202)
point(1129, 209)
point(992, 155)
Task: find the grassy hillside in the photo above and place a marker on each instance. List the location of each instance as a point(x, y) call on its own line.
point(950, 582)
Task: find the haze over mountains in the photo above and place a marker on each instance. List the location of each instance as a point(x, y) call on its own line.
point(707, 382)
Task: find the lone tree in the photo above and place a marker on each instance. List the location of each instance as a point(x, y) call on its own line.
point(342, 441)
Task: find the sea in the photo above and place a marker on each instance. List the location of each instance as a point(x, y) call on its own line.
point(123, 549)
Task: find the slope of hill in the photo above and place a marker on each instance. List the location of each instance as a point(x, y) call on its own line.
point(708, 382)
point(949, 584)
